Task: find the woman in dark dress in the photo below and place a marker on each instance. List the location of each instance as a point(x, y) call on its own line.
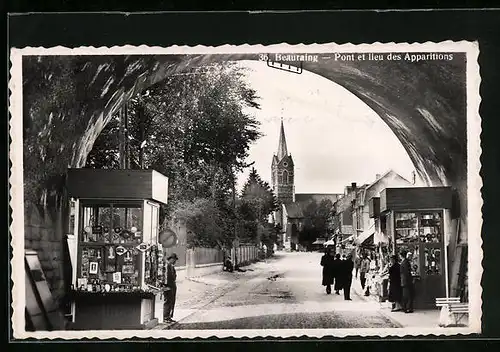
point(395, 290)
point(327, 262)
point(338, 273)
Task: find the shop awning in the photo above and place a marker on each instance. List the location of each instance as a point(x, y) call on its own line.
point(380, 238)
point(350, 238)
point(319, 241)
point(329, 243)
point(366, 237)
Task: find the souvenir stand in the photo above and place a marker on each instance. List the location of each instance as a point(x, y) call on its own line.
point(417, 220)
point(117, 267)
point(383, 247)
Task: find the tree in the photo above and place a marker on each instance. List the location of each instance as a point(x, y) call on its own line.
point(257, 202)
point(318, 219)
point(195, 129)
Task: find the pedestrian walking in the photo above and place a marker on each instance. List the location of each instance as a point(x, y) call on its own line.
point(395, 284)
point(347, 268)
point(337, 265)
point(357, 264)
point(364, 268)
point(407, 282)
point(327, 262)
point(170, 287)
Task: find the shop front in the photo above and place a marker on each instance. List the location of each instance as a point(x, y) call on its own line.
point(416, 221)
point(117, 259)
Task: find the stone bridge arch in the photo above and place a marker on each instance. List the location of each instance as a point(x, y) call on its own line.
point(423, 103)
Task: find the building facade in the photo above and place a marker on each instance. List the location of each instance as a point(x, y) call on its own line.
point(364, 225)
point(289, 215)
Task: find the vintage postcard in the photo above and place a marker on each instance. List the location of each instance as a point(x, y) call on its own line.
point(243, 191)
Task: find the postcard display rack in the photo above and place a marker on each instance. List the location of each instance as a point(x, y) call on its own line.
point(117, 267)
point(417, 220)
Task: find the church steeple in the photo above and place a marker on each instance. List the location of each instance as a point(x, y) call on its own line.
point(282, 149)
point(282, 171)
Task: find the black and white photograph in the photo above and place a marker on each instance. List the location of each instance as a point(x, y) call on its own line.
point(242, 191)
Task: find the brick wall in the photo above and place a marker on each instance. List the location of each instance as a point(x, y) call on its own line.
point(42, 235)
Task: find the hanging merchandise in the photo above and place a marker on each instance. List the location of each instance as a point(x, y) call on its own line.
point(116, 248)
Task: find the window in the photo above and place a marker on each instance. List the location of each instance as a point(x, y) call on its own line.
point(109, 235)
point(430, 227)
point(421, 234)
point(284, 177)
point(406, 228)
point(432, 261)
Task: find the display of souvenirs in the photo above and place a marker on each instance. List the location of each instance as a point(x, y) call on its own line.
point(415, 258)
point(152, 266)
point(117, 277)
point(430, 228)
point(93, 268)
point(112, 249)
point(107, 235)
point(432, 261)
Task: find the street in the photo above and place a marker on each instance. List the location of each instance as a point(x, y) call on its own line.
point(286, 293)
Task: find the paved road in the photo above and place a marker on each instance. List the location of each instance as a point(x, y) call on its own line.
point(288, 295)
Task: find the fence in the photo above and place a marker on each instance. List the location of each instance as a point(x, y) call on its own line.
point(247, 254)
point(207, 256)
point(205, 261)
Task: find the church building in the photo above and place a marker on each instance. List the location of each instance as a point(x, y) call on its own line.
point(289, 215)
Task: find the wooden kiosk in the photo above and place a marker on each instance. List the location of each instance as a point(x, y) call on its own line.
point(416, 220)
point(116, 259)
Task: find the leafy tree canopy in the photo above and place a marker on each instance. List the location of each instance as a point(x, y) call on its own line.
point(318, 217)
point(196, 129)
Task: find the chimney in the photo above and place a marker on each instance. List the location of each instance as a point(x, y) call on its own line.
point(377, 176)
point(353, 186)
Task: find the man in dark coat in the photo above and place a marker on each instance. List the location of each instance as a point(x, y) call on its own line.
point(337, 267)
point(327, 262)
point(170, 287)
point(395, 284)
point(407, 283)
point(346, 273)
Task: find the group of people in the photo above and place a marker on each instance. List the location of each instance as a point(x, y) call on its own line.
point(337, 272)
point(401, 285)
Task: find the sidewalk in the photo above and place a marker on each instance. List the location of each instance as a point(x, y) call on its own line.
point(195, 293)
point(428, 318)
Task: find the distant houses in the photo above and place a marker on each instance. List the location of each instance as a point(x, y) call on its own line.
point(352, 223)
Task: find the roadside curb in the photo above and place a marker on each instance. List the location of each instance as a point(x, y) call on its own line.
point(224, 289)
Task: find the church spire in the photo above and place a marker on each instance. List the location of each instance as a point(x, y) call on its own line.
point(282, 149)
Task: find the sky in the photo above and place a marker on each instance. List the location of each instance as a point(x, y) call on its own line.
point(334, 138)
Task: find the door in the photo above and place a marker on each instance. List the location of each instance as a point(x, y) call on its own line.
point(431, 257)
point(421, 233)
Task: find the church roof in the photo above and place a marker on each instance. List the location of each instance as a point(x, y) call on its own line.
point(317, 197)
point(275, 160)
point(282, 149)
point(293, 210)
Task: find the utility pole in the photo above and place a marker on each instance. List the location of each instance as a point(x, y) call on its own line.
point(121, 117)
point(127, 141)
point(236, 242)
point(140, 113)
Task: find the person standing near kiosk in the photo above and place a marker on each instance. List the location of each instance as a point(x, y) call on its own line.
point(407, 282)
point(170, 289)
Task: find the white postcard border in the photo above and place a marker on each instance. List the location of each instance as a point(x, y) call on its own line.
point(474, 184)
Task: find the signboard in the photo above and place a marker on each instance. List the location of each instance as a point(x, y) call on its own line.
point(168, 238)
point(41, 308)
point(143, 247)
point(120, 250)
